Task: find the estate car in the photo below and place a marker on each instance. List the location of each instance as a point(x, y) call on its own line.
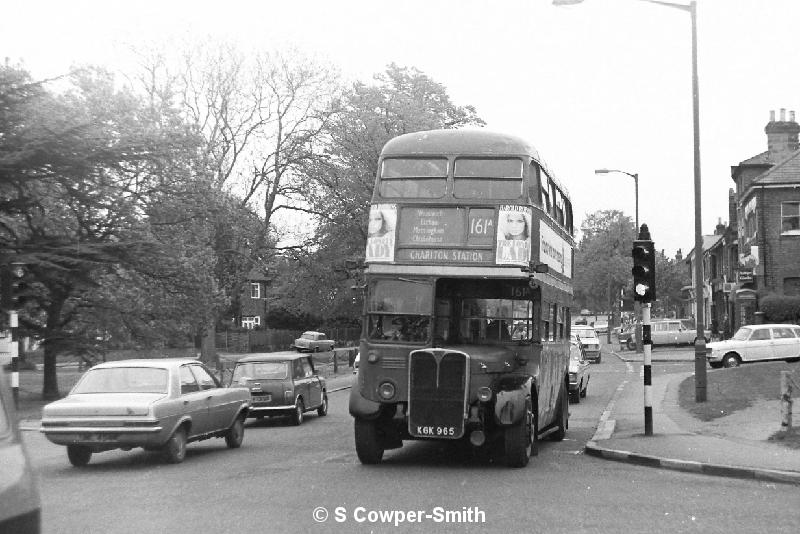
point(158, 404)
point(281, 383)
point(756, 342)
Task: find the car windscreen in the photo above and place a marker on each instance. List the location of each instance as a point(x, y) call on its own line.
point(742, 334)
point(585, 334)
point(123, 380)
point(260, 371)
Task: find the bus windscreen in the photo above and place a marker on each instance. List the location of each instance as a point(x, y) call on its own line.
point(487, 178)
point(413, 178)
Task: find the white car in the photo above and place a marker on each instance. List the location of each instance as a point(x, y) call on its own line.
point(356, 361)
point(754, 343)
point(591, 343)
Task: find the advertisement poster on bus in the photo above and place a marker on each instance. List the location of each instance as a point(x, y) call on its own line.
point(554, 251)
point(381, 231)
point(513, 235)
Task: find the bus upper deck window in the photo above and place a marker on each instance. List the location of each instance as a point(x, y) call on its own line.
point(413, 178)
point(487, 178)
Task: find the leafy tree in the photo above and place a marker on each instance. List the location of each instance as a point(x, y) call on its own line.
point(85, 158)
point(602, 259)
point(339, 180)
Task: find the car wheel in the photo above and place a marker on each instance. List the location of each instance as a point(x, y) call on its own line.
point(175, 448)
point(369, 445)
point(631, 345)
point(322, 411)
point(731, 360)
point(79, 455)
point(521, 439)
point(598, 359)
point(235, 434)
point(297, 415)
point(563, 414)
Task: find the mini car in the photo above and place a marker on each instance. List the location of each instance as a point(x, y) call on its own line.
point(311, 341)
point(281, 383)
point(158, 404)
point(20, 504)
point(756, 342)
point(579, 373)
point(589, 340)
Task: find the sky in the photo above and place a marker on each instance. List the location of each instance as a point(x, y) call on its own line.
point(599, 84)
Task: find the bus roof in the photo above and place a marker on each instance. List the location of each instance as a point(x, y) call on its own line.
point(467, 142)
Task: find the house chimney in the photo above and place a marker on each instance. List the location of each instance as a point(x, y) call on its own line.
point(732, 210)
point(720, 229)
point(782, 136)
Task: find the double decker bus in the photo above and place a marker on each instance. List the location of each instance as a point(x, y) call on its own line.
point(468, 274)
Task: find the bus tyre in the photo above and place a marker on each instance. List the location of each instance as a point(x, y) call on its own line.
point(520, 439)
point(562, 416)
point(369, 446)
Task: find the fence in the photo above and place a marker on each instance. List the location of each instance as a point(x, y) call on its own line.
point(271, 340)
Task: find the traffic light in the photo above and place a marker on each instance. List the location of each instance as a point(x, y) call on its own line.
point(644, 269)
point(14, 288)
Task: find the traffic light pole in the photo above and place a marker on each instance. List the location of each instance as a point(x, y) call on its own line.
point(644, 292)
point(647, 344)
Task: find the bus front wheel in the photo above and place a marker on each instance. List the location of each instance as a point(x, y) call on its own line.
point(369, 446)
point(521, 440)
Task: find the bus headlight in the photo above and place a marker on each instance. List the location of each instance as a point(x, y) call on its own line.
point(386, 390)
point(485, 394)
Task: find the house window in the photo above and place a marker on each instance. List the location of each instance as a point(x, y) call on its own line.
point(251, 321)
point(790, 218)
point(255, 290)
point(791, 286)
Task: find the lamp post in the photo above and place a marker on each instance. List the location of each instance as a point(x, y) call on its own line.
point(636, 307)
point(635, 183)
point(699, 342)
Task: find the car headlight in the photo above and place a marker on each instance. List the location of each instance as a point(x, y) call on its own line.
point(485, 394)
point(573, 376)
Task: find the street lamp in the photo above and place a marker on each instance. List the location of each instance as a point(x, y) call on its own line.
point(636, 313)
point(699, 342)
point(636, 185)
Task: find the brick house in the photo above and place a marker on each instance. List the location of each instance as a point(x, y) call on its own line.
point(252, 310)
point(767, 222)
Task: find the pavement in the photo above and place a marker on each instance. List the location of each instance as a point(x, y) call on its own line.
point(732, 446)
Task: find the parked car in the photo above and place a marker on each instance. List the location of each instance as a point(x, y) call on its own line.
point(356, 362)
point(754, 343)
point(591, 343)
point(158, 404)
point(579, 373)
point(601, 327)
point(670, 332)
point(281, 383)
point(20, 504)
point(311, 341)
